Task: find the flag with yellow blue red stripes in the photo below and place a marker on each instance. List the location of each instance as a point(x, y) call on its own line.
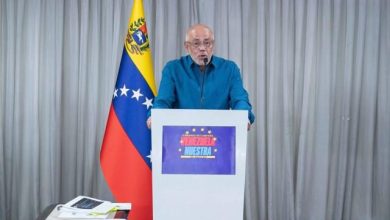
point(125, 152)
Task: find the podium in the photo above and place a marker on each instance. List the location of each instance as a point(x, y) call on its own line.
point(198, 164)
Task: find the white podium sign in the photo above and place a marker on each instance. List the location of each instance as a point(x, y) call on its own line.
point(198, 164)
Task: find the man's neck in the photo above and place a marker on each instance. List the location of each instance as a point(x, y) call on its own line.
point(202, 68)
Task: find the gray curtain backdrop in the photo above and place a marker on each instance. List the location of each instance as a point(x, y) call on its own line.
point(317, 71)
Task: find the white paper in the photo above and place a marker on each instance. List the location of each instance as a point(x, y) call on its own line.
point(85, 204)
point(122, 206)
point(76, 215)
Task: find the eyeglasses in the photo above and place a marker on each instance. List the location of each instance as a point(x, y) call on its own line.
point(198, 44)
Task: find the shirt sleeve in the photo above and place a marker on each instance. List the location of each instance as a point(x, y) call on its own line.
point(238, 95)
point(166, 95)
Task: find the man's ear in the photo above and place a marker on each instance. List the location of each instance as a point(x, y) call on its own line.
point(186, 47)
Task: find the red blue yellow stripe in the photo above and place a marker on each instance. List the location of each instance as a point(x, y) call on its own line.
point(126, 145)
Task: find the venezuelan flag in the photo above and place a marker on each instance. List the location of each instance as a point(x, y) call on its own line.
point(125, 151)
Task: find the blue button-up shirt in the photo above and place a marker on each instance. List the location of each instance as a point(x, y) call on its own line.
point(184, 86)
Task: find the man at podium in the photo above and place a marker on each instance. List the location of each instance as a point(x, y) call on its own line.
point(201, 80)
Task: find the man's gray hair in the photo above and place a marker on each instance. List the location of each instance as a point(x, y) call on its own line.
point(198, 25)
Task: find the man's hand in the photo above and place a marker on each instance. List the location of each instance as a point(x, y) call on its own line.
point(149, 122)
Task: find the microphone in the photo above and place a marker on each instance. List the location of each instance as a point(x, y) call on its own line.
point(205, 61)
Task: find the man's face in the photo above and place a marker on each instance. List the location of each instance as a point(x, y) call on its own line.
point(200, 45)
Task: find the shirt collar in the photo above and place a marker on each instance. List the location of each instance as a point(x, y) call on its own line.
point(214, 61)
